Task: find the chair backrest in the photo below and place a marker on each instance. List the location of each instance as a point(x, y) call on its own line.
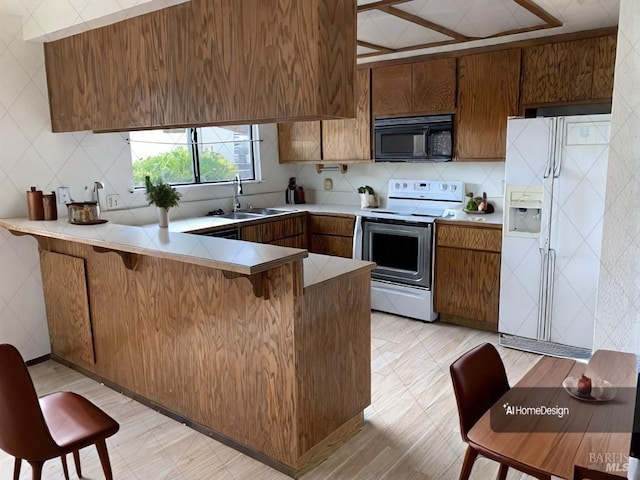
point(479, 380)
point(23, 430)
point(584, 473)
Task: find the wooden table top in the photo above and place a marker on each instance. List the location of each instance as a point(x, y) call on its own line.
point(556, 452)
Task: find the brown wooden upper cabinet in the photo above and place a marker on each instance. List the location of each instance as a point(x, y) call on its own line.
point(207, 62)
point(576, 71)
point(299, 142)
point(414, 88)
point(343, 141)
point(488, 92)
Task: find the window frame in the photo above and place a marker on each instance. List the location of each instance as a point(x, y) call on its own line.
point(193, 144)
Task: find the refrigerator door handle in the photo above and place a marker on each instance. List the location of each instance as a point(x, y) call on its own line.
point(558, 147)
point(551, 281)
point(552, 148)
point(542, 294)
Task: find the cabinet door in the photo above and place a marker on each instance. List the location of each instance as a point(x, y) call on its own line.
point(433, 86)
point(488, 91)
point(558, 72)
point(603, 67)
point(332, 245)
point(299, 142)
point(467, 284)
point(350, 139)
point(67, 305)
point(71, 66)
point(391, 90)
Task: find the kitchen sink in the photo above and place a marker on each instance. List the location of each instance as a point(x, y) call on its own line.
point(240, 215)
point(266, 211)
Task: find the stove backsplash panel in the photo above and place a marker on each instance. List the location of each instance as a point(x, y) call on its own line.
point(478, 177)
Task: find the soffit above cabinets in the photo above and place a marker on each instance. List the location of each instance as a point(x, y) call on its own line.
point(389, 29)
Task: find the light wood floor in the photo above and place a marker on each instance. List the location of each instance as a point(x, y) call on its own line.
point(411, 429)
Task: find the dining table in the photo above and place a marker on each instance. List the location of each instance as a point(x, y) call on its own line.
point(544, 423)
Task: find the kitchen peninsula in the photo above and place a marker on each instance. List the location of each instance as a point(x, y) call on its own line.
point(265, 348)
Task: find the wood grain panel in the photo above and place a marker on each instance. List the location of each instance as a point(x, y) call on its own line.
point(575, 60)
point(603, 67)
point(204, 346)
point(214, 65)
point(332, 245)
point(467, 283)
point(336, 50)
point(299, 142)
point(113, 91)
point(333, 354)
point(558, 72)
point(433, 86)
point(67, 305)
point(488, 93)
point(330, 225)
point(351, 139)
point(136, 64)
point(391, 90)
point(71, 69)
point(210, 61)
point(270, 231)
point(471, 238)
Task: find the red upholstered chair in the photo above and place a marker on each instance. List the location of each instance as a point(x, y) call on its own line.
point(36, 430)
point(479, 380)
point(584, 473)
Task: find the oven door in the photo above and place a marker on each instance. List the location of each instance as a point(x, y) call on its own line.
point(401, 250)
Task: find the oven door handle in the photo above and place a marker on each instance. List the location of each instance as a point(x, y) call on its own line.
point(357, 239)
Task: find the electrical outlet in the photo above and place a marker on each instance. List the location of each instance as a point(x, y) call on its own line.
point(328, 184)
point(113, 202)
point(64, 195)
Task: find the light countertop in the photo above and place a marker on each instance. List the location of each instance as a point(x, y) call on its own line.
point(230, 255)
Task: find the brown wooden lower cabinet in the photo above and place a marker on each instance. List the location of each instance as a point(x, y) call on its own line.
point(287, 232)
point(331, 234)
point(467, 274)
point(281, 377)
point(67, 304)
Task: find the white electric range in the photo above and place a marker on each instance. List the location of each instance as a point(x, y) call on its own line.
point(399, 239)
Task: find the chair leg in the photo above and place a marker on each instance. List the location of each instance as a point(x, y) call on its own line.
point(36, 468)
point(104, 459)
point(502, 472)
point(16, 468)
point(76, 460)
point(65, 470)
point(469, 457)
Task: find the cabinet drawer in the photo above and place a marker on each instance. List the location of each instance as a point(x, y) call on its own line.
point(470, 238)
point(331, 245)
point(268, 232)
point(328, 225)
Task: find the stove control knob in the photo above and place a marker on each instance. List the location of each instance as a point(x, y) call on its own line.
point(443, 187)
point(404, 185)
point(453, 188)
point(396, 186)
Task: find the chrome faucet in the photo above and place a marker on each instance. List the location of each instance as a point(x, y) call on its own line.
point(237, 190)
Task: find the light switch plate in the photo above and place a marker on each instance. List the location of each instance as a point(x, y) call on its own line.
point(64, 195)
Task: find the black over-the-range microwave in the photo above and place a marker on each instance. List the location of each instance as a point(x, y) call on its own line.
point(414, 139)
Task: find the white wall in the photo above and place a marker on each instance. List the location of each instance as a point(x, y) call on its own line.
point(618, 309)
point(31, 155)
point(479, 177)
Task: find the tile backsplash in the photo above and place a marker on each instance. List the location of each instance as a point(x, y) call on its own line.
point(478, 177)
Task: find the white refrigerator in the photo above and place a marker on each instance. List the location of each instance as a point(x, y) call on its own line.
point(555, 172)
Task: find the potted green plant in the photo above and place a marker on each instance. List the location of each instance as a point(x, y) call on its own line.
point(368, 198)
point(163, 196)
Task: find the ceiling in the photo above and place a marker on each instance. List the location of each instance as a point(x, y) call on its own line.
point(389, 29)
